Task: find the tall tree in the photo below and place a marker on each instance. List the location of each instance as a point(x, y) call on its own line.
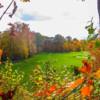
point(18, 41)
point(58, 42)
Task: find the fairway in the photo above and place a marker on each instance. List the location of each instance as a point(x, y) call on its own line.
point(59, 60)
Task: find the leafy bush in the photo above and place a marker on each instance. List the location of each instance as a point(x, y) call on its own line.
point(49, 84)
point(9, 81)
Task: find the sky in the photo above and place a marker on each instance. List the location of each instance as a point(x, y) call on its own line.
point(51, 17)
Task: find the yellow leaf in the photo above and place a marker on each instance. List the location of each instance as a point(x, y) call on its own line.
point(97, 74)
point(1, 52)
point(1, 90)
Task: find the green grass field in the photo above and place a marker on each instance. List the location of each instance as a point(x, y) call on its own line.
point(59, 60)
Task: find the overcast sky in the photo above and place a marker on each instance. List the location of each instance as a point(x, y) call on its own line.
point(50, 17)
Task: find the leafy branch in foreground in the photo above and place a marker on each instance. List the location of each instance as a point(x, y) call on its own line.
point(10, 79)
point(14, 8)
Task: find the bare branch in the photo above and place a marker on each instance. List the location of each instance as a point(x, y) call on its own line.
point(6, 9)
point(14, 10)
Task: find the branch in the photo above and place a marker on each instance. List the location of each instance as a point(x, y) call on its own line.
point(6, 9)
point(14, 10)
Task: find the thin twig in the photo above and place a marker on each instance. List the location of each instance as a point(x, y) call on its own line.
point(6, 9)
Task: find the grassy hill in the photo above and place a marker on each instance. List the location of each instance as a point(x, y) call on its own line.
point(59, 60)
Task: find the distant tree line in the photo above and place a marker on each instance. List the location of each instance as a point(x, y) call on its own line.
point(58, 43)
point(18, 42)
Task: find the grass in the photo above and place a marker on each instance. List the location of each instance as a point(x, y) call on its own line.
point(59, 60)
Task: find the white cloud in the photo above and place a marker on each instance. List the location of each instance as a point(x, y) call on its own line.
point(68, 17)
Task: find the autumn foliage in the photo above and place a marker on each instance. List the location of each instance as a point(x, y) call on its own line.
point(20, 42)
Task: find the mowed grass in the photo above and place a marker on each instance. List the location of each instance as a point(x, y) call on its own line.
point(59, 60)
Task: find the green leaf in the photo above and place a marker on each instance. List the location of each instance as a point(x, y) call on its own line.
point(97, 44)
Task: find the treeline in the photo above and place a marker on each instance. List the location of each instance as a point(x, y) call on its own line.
point(58, 43)
point(18, 42)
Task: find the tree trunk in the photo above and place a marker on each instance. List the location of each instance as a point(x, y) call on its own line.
point(98, 6)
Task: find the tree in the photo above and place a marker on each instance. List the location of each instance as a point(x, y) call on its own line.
point(18, 42)
point(39, 40)
point(69, 38)
point(58, 42)
point(25, 38)
point(48, 45)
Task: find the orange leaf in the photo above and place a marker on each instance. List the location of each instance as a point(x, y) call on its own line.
point(52, 88)
point(1, 52)
point(86, 91)
point(47, 93)
point(38, 94)
point(60, 90)
point(83, 69)
point(86, 68)
point(76, 83)
point(0, 62)
point(97, 73)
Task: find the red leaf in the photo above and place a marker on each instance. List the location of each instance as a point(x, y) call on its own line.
point(86, 68)
point(52, 88)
